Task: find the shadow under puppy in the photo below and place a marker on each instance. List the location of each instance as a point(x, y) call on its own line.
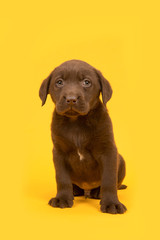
point(85, 155)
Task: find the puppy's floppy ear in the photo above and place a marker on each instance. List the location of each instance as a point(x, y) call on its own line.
point(43, 91)
point(105, 87)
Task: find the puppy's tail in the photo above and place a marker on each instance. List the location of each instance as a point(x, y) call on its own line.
point(122, 187)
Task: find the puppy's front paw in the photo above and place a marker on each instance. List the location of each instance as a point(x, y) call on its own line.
point(112, 207)
point(61, 202)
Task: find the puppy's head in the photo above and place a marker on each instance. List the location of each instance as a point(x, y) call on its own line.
point(74, 87)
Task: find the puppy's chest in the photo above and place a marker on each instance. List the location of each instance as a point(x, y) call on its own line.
point(84, 169)
point(77, 139)
point(78, 146)
point(80, 156)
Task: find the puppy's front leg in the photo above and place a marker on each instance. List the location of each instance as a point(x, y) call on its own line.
point(64, 197)
point(109, 201)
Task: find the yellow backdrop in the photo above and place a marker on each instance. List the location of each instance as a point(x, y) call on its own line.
point(121, 38)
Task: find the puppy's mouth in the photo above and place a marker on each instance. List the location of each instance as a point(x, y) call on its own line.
point(72, 110)
point(71, 113)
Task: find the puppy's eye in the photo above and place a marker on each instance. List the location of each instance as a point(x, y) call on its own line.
point(86, 83)
point(59, 83)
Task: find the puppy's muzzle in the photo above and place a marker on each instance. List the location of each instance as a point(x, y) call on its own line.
point(72, 104)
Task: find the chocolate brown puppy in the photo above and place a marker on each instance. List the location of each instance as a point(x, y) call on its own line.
point(85, 155)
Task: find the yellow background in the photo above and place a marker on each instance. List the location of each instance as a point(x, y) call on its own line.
point(121, 38)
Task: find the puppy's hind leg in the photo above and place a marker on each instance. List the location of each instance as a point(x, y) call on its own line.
point(77, 191)
point(121, 173)
point(95, 193)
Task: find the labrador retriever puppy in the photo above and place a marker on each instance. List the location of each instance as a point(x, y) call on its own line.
point(85, 155)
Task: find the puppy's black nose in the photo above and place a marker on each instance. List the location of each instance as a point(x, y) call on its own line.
point(71, 100)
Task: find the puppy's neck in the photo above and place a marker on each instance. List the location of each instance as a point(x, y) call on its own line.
point(73, 119)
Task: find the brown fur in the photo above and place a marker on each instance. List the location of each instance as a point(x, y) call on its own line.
point(85, 154)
